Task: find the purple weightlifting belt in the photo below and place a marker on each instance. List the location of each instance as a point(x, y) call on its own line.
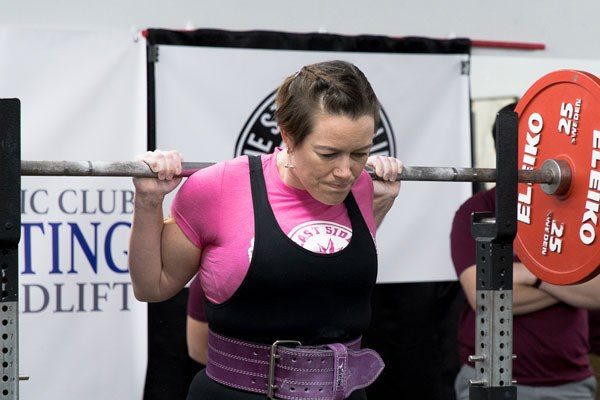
point(288, 370)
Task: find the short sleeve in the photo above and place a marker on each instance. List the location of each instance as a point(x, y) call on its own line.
point(195, 207)
point(195, 305)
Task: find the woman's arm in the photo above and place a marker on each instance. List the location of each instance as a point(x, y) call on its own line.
point(161, 258)
point(584, 295)
point(526, 298)
point(197, 339)
point(384, 191)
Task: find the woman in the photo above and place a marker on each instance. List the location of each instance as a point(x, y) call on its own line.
point(284, 245)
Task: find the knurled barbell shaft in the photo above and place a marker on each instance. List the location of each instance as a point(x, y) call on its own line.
point(140, 169)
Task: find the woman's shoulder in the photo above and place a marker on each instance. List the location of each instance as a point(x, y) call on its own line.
point(219, 170)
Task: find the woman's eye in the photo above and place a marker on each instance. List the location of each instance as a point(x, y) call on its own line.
point(328, 155)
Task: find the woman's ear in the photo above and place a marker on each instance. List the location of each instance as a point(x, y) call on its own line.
point(286, 140)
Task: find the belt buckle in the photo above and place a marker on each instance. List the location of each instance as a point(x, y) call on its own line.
point(272, 359)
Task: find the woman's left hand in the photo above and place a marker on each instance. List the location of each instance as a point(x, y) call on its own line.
point(387, 168)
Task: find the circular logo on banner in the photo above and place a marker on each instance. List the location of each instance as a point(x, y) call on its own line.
point(260, 134)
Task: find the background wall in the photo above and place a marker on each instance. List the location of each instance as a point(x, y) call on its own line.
point(569, 29)
point(411, 314)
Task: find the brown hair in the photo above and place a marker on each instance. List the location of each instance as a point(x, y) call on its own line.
point(332, 87)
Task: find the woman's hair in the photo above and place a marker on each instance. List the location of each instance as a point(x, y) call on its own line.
point(331, 87)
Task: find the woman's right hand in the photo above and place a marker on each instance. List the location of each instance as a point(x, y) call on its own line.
point(167, 164)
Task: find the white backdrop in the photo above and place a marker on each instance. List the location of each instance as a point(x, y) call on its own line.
point(82, 334)
point(205, 96)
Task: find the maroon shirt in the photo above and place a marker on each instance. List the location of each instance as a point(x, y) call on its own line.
point(594, 320)
point(551, 344)
point(195, 306)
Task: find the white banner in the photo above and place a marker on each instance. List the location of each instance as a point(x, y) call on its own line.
point(82, 334)
point(216, 103)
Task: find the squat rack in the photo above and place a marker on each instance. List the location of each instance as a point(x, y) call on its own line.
point(494, 235)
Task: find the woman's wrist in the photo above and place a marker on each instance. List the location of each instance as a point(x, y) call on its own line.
point(148, 200)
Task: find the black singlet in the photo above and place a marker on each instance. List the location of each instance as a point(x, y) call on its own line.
point(293, 293)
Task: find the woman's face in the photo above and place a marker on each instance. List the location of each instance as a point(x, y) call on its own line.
point(332, 156)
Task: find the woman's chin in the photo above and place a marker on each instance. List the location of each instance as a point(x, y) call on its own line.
point(331, 198)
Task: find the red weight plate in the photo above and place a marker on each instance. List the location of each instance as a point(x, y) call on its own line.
point(559, 118)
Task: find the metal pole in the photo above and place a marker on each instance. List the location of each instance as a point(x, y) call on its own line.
point(10, 233)
point(140, 169)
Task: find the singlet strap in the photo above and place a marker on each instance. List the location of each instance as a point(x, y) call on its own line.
point(260, 200)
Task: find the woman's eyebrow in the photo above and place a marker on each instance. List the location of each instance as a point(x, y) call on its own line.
point(329, 148)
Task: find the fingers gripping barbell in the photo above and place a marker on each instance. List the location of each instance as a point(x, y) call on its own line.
point(558, 202)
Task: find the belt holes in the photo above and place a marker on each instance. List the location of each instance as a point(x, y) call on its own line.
point(320, 389)
point(322, 361)
point(255, 353)
point(292, 389)
point(306, 389)
point(253, 380)
point(309, 361)
point(294, 359)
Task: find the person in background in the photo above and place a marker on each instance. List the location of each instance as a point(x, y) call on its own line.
point(550, 324)
point(594, 333)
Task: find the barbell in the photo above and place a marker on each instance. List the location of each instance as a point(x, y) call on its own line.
point(558, 203)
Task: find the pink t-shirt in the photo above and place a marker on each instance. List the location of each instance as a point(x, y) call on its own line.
point(214, 210)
